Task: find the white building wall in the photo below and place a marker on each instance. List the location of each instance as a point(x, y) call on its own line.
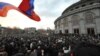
point(70, 25)
point(62, 25)
point(82, 24)
point(97, 11)
point(98, 25)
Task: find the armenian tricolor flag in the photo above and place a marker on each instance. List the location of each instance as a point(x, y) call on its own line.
point(26, 7)
point(4, 8)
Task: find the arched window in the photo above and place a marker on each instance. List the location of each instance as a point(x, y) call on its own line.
point(75, 20)
point(89, 17)
point(65, 22)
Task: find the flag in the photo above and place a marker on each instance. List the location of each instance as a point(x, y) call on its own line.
point(26, 7)
point(4, 8)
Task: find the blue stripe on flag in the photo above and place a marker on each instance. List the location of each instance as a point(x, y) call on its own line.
point(29, 11)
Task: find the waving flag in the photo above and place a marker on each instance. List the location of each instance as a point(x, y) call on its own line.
point(4, 8)
point(27, 7)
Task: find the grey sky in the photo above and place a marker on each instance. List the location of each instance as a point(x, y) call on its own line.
point(49, 10)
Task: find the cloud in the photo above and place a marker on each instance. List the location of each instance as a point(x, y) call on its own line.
point(52, 7)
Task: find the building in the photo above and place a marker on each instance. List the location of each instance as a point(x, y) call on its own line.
point(6, 30)
point(2, 29)
point(30, 30)
point(82, 17)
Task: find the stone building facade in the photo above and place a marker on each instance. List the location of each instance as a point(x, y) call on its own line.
point(82, 17)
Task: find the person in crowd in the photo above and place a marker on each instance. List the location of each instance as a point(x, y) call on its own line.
point(51, 45)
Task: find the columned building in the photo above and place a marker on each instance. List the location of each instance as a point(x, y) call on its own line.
point(82, 17)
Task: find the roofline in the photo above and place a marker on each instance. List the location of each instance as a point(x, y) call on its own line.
point(73, 5)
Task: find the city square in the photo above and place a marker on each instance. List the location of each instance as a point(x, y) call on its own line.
point(76, 32)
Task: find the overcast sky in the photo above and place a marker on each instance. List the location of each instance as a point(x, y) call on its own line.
point(48, 10)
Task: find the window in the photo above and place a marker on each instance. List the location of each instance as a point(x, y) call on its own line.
point(65, 22)
point(60, 32)
point(75, 20)
point(83, 5)
point(91, 3)
point(66, 31)
point(90, 31)
point(76, 31)
point(89, 17)
point(72, 9)
point(76, 7)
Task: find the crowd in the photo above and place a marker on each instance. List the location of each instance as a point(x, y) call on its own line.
point(49, 45)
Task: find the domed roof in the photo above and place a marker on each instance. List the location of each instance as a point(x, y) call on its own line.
point(75, 5)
